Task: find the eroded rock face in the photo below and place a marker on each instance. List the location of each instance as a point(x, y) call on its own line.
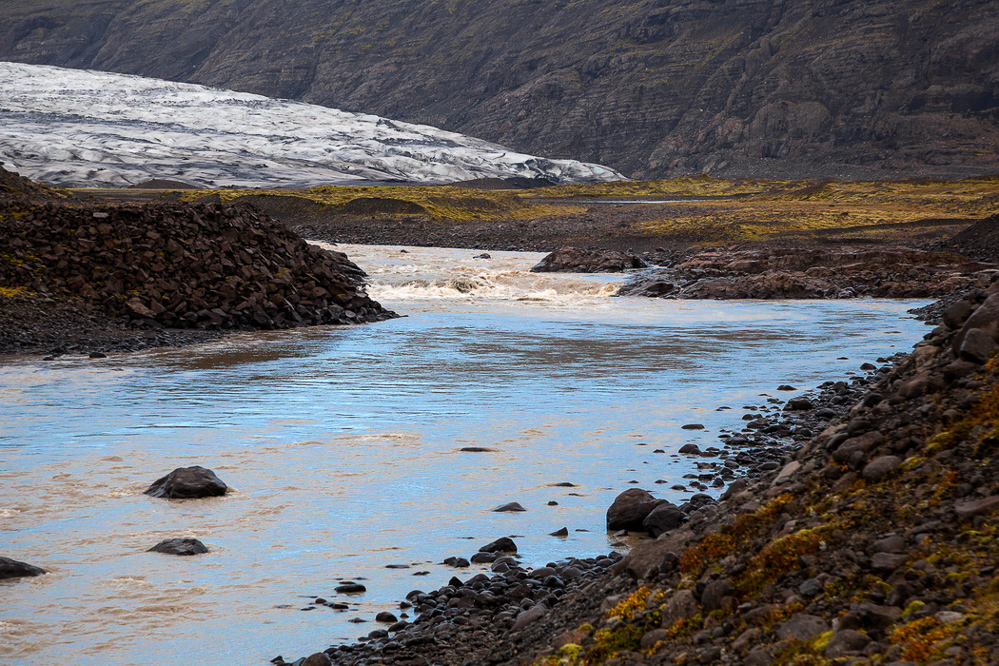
point(577, 260)
point(187, 483)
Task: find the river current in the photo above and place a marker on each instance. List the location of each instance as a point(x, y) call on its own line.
point(342, 447)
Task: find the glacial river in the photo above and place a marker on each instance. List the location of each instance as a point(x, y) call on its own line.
point(342, 447)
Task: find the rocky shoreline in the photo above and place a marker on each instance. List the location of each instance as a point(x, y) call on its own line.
point(867, 538)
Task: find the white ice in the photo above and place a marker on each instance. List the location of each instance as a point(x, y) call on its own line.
point(70, 127)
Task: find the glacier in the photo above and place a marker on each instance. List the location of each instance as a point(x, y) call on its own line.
point(81, 128)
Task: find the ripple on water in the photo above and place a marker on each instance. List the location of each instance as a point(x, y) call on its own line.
point(342, 450)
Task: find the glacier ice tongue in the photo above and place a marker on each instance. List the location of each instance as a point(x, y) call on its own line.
point(78, 128)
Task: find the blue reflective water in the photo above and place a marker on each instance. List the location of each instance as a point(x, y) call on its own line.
point(343, 449)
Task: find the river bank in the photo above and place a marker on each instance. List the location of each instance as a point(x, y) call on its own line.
point(872, 541)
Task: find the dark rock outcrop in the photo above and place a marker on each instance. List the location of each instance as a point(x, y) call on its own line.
point(893, 272)
point(577, 260)
point(15, 569)
point(187, 483)
point(179, 546)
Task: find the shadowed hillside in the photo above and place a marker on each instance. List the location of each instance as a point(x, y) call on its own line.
point(653, 88)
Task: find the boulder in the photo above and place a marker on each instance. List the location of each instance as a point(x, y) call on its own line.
point(978, 346)
point(15, 569)
point(188, 482)
point(663, 518)
point(845, 643)
point(577, 260)
point(509, 507)
point(880, 468)
point(985, 318)
point(179, 547)
point(802, 627)
point(630, 509)
point(501, 545)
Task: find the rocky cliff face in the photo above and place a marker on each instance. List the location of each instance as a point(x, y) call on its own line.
point(653, 88)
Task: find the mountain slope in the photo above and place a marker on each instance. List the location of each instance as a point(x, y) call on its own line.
point(653, 87)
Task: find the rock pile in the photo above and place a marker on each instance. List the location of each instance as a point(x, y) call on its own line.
point(203, 266)
point(578, 260)
point(467, 619)
point(813, 273)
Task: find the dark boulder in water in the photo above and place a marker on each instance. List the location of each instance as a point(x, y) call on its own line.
point(187, 483)
point(179, 547)
point(14, 569)
point(630, 509)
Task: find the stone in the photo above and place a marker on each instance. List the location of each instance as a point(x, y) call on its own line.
point(681, 606)
point(885, 562)
point(880, 468)
point(10, 568)
point(878, 618)
point(650, 639)
point(182, 547)
point(978, 346)
point(845, 643)
point(350, 587)
point(786, 472)
point(188, 483)
point(386, 618)
point(630, 509)
point(577, 260)
point(976, 507)
point(317, 659)
point(811, 588)
point(529, 616)
point(563, 532)
point(501, 545)
point(509, 507)
point(802, 627)
point(663, 518)
point(758, 657)
point(799, 404)
point(692, 449)
point(985, 319)
point(482, 558)
point(692, 426)
point(714, 595)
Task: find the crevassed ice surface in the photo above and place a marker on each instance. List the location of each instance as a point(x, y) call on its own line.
point(80, 128)
point(343, 449)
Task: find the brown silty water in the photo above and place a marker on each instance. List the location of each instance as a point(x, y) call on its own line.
point(343, 450)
